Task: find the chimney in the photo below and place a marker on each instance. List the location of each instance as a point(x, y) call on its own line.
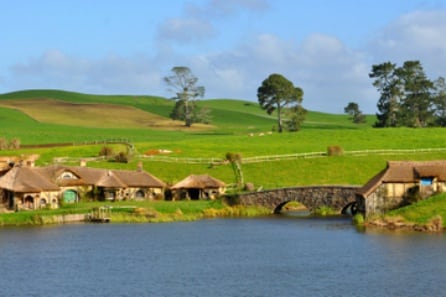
point(140, 166)
point(83, 163)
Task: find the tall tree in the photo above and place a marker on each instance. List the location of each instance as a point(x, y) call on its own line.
point(277, 93)
point(388, 86)
point(183, 84)
point(407, 95)
point(440, 102)
point(417, 103)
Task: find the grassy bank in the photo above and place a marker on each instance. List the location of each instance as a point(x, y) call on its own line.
point(426, 215)
point(135, 212)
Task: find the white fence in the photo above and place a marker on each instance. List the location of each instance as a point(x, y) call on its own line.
point(261, 159)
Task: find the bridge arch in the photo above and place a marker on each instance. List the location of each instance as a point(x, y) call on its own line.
point(350, 209)
point(279, 208)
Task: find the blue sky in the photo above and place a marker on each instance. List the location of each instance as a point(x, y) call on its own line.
point(126, 47)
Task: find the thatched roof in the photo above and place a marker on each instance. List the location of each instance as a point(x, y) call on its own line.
point(199, 182)
point(54, 172)
point(139, 179)
point(26, 179)
point(102, 177)
point(89, 175)
point(38, 179)
point(405, 172)
point(110, 180)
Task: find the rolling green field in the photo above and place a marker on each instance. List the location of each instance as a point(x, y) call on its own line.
point(52, 116)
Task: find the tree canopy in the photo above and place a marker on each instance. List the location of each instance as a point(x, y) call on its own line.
point(407, 96)
point(355, 113)
point(278, 93)
point(183, 83)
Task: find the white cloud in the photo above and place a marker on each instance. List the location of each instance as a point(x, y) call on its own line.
point(229, 7)
point(224, 8)
point(330, 74)
point(185, 30)
point(197, 22)
point(110, 75)
point(415, 36)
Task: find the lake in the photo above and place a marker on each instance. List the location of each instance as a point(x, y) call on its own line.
point(268, 256)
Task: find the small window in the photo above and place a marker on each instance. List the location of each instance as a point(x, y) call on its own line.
point(139, 194)
point(66, 176)
point(426, 181)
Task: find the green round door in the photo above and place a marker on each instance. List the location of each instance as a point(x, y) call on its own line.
point(69, 196)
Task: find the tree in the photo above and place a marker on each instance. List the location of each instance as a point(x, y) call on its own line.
point(277, 93)
point(388, 85)
point(406, 95)
point(296, 116)
point(440, 102)
point(417, 103)
point(183, 84)
point(236, 163)
point(197, 115)
point(356, 115)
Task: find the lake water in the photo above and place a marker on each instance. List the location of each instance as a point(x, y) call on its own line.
point(272, 256)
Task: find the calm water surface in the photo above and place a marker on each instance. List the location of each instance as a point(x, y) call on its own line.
point(274, 256)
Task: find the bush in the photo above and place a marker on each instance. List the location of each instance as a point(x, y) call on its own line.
point(122, 157)
point(15, 144)
point(159, 196)
point(335, 150)
point(358, 219)
point(106, 151)
point(3, 144)
point(413, 195)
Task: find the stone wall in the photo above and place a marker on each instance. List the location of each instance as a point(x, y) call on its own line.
point(313, 197)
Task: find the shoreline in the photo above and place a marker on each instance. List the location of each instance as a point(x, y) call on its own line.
point(435, 225)
point(181, 213)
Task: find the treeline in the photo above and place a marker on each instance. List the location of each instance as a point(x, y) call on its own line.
point(407, 97)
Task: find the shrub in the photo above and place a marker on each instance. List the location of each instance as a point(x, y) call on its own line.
point(122, 157)
point(3, 144)
point(413, 195)
point(106, 151)
point(335, 150)
point(159, 196)
point(358, 219)
point(15, 144)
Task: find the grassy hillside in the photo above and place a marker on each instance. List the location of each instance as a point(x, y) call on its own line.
point(51, 116)
point(228, 116)
point(42, 116)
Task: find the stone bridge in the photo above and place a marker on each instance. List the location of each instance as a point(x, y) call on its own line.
point(338, 198)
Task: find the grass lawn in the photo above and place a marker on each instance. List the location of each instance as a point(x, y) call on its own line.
point(424, 211)
point(135, 212)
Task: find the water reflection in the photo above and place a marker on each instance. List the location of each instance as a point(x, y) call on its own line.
point(283, 255)
point(297, 213)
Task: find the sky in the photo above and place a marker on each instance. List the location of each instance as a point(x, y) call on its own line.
point(325, 47)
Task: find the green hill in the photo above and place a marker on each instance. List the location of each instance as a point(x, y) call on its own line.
point(53, 116)
point(98, 111)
